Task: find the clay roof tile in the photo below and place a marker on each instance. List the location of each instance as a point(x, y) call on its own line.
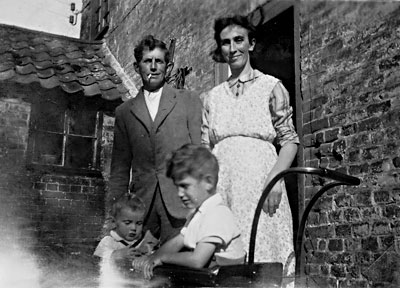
point(50, 82)
point(71, 87)
point(74, 65)
point(26, 69)
point(106, 85)
point(7, 75)
point(67, 77)
point(7, 65)
point(46, 73)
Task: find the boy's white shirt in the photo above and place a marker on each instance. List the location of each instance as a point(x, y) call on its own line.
point(109, 244)
point(227, 234)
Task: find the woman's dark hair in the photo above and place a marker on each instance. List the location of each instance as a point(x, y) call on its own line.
point(151, 43)
point(221, 23)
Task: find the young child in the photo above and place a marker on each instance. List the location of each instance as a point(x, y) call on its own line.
point(210, 236)
point(126, 240)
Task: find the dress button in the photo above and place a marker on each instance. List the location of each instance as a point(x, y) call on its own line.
point(237, 94)
point(238, 85)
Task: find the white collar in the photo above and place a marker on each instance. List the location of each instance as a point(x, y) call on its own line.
point(210, 202)
point(118, 238)
point(152, 93)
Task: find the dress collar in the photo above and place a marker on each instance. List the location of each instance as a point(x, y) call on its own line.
point(251, 75)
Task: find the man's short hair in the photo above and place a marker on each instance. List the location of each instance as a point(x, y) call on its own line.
point(150, 43)
point(192, 160)
point(127, 200)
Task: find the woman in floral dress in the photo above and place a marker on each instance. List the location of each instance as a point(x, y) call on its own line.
point(241, 118)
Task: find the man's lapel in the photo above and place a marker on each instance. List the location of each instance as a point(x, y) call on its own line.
point(167, 103)
point(139, 109)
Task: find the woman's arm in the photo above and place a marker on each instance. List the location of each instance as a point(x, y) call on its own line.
point(205, 137)
point(286, 136)
point(285, 159)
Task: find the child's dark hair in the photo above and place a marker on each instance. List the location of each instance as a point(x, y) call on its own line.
point(221, 23)
point(127, 201)
point(192, 160)
point(150, 43)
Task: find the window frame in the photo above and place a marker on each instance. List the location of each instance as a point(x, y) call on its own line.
point(63, 168)
point(100, 18)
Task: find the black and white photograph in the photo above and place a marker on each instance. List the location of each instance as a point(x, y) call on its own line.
point(199, 143)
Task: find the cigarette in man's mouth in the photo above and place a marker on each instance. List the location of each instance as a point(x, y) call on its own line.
point(149, 76)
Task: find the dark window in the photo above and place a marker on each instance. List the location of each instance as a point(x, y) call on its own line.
point(65, 136)
point(100, 18)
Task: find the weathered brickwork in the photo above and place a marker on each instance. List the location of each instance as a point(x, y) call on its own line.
point(18, 206)
point(189, 21)
point(39, 209)
point(350, 86)
point(71, 208)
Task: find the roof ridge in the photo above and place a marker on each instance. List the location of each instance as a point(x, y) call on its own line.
point(23, 29)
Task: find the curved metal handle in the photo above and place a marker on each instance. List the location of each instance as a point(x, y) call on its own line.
point(341, 178)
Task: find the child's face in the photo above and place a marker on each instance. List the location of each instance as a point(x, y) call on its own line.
point(193, 192)
point(129, 224)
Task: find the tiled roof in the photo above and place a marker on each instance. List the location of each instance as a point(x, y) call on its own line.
point(74, 65)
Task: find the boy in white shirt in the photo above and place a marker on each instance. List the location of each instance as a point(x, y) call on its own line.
point(210, 236)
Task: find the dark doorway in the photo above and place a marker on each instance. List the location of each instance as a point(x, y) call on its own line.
point(275, 55)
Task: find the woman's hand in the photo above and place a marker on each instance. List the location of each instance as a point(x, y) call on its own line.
point(273, 200)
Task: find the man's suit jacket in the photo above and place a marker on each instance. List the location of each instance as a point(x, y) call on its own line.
point(143, 145)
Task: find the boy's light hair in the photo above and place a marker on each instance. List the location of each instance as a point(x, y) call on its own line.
point(192, 160)
point(127, 201)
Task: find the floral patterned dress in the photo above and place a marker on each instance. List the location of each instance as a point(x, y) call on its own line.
point(240, 122)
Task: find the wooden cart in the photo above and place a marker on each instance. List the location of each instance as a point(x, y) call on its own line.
point(253, 274)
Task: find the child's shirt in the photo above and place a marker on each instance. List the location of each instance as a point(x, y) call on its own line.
point(113, 242)
point(213, 222)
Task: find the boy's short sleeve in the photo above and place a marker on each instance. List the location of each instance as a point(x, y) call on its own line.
point(217, 226)
point(106, 247)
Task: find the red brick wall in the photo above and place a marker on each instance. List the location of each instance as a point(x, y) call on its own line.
point(350, 89)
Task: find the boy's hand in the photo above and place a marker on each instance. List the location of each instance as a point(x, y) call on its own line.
point(149, 266)
point(134, 253)
point(146, 265)
point(121, 254)
point(138, 263)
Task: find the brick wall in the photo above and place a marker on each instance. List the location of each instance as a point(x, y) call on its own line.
point(71, 209)
point(189, 21)
point(18, 206)
point(38, 209)
point(351, 107)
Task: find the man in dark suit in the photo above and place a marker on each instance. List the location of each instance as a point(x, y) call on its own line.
point(147, 128)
